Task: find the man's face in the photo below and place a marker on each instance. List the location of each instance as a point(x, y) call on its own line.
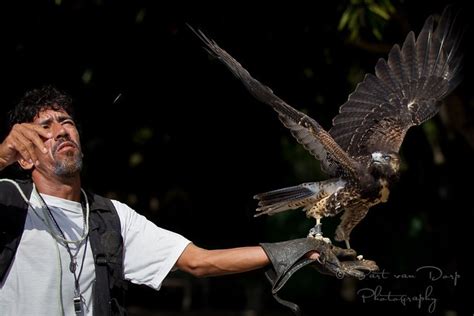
point(64, 156)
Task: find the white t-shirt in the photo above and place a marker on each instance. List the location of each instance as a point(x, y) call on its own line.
point(39, 281)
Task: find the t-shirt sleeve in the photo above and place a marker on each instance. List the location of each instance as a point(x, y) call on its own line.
point(150, 252)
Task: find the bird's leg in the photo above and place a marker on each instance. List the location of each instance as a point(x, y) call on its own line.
point(348, 245)
point(316, 231)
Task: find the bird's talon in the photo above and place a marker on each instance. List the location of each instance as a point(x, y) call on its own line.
point(320, 237)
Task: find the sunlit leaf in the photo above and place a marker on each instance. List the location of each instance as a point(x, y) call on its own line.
point(87, 76)
point(377, 33)
point(344, 19)
point(140, 15)
point(143, 135)
point(416, 226)
point(380, 11)
point(135, 159)
point(308, 73)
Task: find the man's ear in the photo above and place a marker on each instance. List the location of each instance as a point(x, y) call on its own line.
point(25, 165)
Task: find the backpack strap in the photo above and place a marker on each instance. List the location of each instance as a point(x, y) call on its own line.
point(107, 247)
point(13, 211)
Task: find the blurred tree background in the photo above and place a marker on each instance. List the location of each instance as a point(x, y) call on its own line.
point(172, 133)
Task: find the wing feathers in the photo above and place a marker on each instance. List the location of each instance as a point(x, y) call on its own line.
point(409, 57)
point(396, 65)
point(385, 80)
point(423, 44)
point(303, 136)
point(405, 91)
point(306, 130)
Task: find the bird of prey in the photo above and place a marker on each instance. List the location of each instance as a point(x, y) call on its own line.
point(360, 151)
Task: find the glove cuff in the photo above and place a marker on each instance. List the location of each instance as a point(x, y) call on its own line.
point(287, 257)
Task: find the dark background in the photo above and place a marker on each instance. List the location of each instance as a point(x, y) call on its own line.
point(172, 133)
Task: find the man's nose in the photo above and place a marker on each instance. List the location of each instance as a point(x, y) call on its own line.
point(59, 131)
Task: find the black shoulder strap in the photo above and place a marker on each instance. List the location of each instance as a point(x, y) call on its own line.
point(13, 211)
point(107, 246)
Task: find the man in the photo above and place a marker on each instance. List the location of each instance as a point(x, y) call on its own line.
point(65, 251)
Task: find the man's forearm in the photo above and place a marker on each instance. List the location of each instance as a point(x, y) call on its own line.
point(235, 260)
point(201, 262)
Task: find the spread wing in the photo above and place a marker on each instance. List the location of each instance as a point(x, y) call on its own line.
point(405, 91)
point(305, 129)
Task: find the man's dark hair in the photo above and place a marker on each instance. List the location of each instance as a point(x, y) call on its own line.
point(37, 100)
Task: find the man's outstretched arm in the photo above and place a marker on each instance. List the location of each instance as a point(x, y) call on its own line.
point(202, 262)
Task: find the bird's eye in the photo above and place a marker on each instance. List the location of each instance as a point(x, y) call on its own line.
point(386, 157)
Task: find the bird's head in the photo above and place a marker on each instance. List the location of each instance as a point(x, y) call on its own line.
point(385, 164)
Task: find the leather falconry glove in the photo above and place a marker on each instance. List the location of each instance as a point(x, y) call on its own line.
point(287, 257)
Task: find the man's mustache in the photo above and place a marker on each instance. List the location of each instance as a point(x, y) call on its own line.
point(64, 140)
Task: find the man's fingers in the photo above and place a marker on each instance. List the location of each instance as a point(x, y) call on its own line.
point(354, 268)
point(40, 130)
point(25, 137)
point(339, 262)
point(367, 265)
point(353, 273)
point(33, 136)
point(359, 268)
point(22, 142)
point(25, 148)
point(344, 254)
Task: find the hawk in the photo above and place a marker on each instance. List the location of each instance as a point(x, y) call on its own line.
point(360, 151)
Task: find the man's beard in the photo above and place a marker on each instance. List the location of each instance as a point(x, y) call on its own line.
point(71, 162)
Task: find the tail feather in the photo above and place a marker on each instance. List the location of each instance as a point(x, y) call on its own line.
point(273, 209)
point(284, 199)
point(289, 193)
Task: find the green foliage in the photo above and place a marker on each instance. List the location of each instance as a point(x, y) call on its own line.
point(87, 76)
point(366, 14)
point(135, 159)
point(416, 226)
point(140, 17)
point(143, 135)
